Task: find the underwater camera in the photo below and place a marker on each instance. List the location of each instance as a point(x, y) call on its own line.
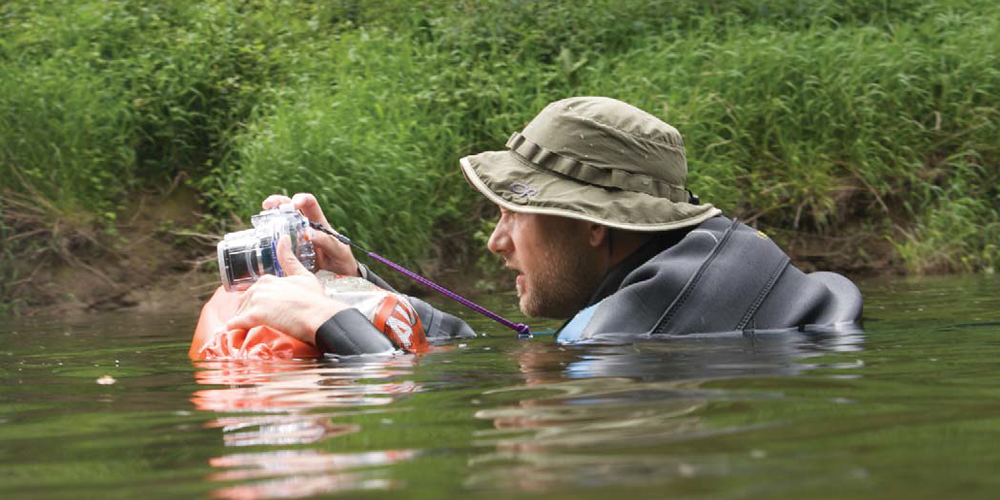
point(246, 256)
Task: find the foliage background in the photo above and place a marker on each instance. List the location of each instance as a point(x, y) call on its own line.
point(867, 128)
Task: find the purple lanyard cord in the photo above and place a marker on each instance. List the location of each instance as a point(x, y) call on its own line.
point(522, 329)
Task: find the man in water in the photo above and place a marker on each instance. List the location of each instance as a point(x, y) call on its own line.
point(597, 221)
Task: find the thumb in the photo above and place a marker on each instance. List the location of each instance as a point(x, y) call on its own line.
point(289, 262)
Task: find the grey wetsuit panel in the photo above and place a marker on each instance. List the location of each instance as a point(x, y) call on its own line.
point(723, 277)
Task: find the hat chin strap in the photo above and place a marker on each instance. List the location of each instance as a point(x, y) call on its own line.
point(693, 199)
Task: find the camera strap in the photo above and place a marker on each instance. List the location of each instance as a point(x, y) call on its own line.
point(522, 329)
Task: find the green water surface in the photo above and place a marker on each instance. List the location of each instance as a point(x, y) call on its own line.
point(108, 406)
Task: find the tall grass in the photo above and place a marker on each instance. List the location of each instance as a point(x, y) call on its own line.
point(378, 149)
point(64, 136)
point(819, 116)
point(817, 123)
point(100, 98)
point(821, 127)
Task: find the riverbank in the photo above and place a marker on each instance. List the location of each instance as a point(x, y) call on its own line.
point(157, 261)
point(861, 135)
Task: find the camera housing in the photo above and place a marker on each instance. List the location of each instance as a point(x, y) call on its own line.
point(246, 256)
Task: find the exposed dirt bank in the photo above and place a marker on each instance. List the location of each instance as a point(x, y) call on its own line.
point(154, 264)
point(145, 262)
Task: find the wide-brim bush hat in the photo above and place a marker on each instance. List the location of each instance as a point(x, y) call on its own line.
point(595, 159)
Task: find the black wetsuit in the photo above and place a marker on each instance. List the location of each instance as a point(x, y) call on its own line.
point(720, 277)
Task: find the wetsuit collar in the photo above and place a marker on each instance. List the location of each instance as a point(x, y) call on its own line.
point(613, 280)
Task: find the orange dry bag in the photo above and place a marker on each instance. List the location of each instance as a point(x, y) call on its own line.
point(390, 312)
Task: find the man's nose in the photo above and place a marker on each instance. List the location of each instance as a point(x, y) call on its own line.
point(499, 242)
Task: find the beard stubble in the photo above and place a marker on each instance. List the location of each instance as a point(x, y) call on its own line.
point(564, 284)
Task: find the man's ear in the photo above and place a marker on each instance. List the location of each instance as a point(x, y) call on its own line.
point(598, 234)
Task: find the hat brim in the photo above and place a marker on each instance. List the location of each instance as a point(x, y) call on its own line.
point(515, 184)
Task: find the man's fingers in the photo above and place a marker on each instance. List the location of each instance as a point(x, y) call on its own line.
point(244, 300)
point(326, 243)
point(274, 201)
point(289, 262)
point(244, 318)
point(307, 204)
point(242, 322)
point(333, 255)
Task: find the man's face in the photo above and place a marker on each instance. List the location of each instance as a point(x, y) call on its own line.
point(558, 269)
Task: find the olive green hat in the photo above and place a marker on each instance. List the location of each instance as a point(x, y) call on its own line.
point(595, 159)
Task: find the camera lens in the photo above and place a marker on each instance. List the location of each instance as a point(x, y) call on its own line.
point(244, 258)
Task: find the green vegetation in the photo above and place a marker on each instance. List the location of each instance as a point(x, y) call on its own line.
point(826, 118)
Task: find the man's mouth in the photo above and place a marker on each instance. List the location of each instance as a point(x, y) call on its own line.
point(520, 281)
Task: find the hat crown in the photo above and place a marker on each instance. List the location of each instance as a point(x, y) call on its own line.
point(609, 134)
point(594, 159)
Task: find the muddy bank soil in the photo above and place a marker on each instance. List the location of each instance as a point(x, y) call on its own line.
point(158, 262)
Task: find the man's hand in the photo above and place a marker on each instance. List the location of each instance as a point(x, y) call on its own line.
point(294, 304)
point(331, 254)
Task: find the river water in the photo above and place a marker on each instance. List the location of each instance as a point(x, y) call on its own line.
point(108, 406)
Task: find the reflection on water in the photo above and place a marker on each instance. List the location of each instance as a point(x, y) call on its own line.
point(273, 403)
point(638, 399)
point(296, 474)
point(613, 411)
point(908, 409)
point(298, 385)
point(278, 430)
